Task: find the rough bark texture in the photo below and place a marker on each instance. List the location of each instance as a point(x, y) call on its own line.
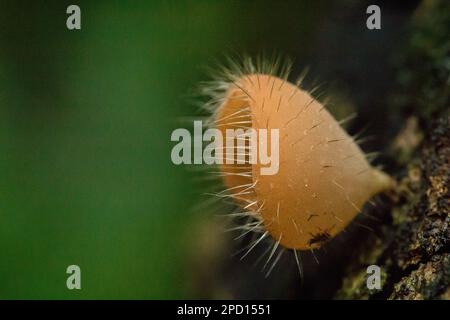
point(412, 247)
point(413, 251)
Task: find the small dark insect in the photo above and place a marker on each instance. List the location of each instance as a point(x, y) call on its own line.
point(319, 238)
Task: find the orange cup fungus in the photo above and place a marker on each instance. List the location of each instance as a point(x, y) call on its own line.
point(323, 178)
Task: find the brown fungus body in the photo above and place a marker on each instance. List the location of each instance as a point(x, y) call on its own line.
point(324, 178)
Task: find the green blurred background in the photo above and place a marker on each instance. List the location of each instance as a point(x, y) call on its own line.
point(86, 117)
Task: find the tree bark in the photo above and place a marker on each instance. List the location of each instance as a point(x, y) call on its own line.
point(413, 247)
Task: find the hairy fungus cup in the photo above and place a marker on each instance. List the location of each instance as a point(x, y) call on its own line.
point(323, 179)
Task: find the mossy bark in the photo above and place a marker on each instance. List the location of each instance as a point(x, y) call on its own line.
point(412, 246)
point(413, 251)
